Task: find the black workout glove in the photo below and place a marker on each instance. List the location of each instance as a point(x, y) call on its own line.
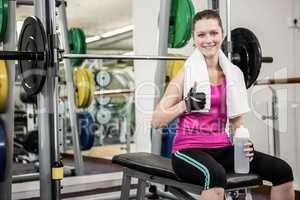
point(195, 100)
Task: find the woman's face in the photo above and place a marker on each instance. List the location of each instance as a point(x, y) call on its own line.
point(208, 37)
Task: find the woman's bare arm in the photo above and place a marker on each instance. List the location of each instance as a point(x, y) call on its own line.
point(236, 122)
point(171, 105)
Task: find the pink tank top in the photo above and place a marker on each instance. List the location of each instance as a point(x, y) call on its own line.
point(204, 130)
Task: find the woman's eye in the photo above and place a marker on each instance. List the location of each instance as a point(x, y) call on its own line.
point(201, 35)
point(214, 33)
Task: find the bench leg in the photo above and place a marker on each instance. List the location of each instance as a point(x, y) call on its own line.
point(141, 189)
point(248, 194)
point(125, 186)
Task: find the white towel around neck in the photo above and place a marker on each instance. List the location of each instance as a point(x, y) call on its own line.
point(196, 70)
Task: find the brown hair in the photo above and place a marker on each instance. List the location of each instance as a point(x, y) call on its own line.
point(207, 14)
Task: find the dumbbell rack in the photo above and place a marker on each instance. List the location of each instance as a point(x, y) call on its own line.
point(49, 157)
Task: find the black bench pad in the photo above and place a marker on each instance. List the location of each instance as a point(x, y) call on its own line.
point(159, 166)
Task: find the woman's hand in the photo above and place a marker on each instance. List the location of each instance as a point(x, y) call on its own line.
point(249, 150)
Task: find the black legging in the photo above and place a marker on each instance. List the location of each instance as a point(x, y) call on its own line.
point(208, 167)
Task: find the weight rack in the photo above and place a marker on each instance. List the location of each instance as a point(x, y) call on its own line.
point(8, 116)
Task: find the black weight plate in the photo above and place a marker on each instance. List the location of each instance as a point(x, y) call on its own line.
point(246, 45)
point(33, 39)
point(2, 150)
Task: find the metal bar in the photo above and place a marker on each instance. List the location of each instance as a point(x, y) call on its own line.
point(267, 59)
point(228, 25)
point(25, 177)
point(123, 57)
point(79, 166)
point(237, 59)
point(8, 116)
point(113, 92)
point(291, 80)
point(110, 93)
point(125, 189)
point(25, 3)
point(160, 71)
point(22, 55)
point(48, 156)
point(213, 4)
point(31, 2)
point(44, 125)
point(275, 121)
point(128, 125)
point(53, 95)
point(141, 189)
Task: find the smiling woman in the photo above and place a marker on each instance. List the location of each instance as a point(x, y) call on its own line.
point(200, 97)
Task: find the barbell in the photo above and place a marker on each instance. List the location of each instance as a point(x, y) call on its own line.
point(33, 55)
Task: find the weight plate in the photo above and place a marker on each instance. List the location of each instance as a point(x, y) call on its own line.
point(103, 116)
point(33, 39)
point(173, 66)
point(77, 44)
point(246, 48)
point(182, 12)
point(2, 150)
point(103, 100)
point(103, 78)
point(82, 88)
point(3, 86)
point(87, 130)
point(3, 18)
point(91, 87)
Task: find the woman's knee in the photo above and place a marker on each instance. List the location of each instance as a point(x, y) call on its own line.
point(215, 190)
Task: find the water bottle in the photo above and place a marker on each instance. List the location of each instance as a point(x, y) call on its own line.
point(241, 162)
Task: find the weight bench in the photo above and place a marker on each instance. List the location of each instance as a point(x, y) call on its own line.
point(147, 167)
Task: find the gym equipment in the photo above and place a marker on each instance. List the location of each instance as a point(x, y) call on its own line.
point(180, 26)
point(87, 131)
point(31, 142)
point(121, 57)
point(2, 150)
point(81, 84)
point(147, 167)
point(103, 100)
point(91, 85)
point(77, 44)
point(85, 87)
point(28, 99)
point(276, 81)
point(169, 133)
point(103, 116)
point(114, 92)
point(246, 54)
point(3, 18)
point(103, 78)
point(3, 85)
point(33, 55)
point(33, 68)
point(173, 67)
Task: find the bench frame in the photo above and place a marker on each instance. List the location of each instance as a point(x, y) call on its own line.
point(175, 187)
